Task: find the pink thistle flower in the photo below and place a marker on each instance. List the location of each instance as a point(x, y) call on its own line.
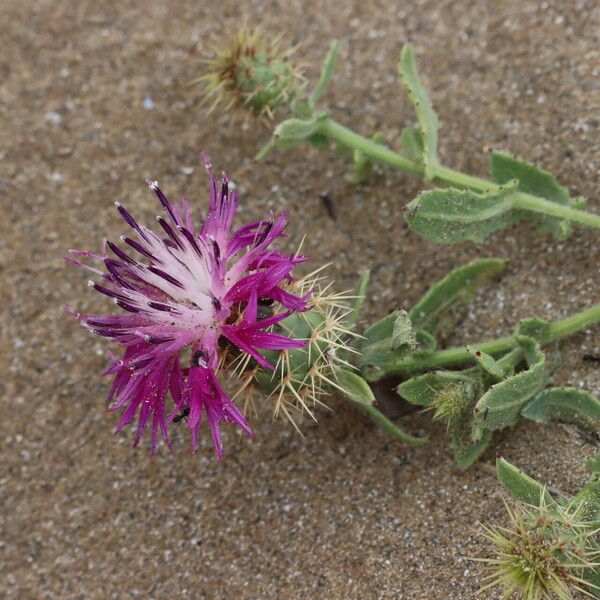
point(189, 289)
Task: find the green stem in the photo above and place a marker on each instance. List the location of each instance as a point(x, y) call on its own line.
point(456, 356)
point(384, 155)
point(382, 421)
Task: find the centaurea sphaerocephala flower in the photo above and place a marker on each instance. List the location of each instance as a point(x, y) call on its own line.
point(191, 292)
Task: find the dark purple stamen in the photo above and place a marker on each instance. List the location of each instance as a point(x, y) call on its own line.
point(130, 220)
point(166, 276)
point(118, 252)
point(216, 251)
point(161, 306)
point(127, 307)
point(113, 266)
point(190, 238)
point(216, 303)
point(108, 292)
point(169, 231)
point(136, 246)
point(165, 202)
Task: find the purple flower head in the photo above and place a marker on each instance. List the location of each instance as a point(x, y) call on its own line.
point(192, 292)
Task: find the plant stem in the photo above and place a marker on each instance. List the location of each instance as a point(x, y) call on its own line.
point(384, 155)
point(456, 356)
point(382, 421)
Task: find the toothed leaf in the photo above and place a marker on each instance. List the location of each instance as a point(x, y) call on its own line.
point(428, 120)
point(454, 292)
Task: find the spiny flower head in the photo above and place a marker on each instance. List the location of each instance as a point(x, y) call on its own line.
point(542, 554)
point(303, 377)
point(252, 72)
point(189, 295)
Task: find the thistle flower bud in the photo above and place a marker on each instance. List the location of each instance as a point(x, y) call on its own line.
point(303, 377)
point(545, 552)
point(252, 72)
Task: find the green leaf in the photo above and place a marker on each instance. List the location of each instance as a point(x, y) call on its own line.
point(363, 165)
point(466, 450)
point(500, 406)
point(488, 363)
point(382, 421)
point(428, 120)
point(424, 390)
point(455, 290)
point(326, 72)
point(360, 292)
point(353, 387)
point(570, 405)
point(520, 485)
point(412, 142)
point(318, 140)
point(538, 182)
point(291, 132)
point(534, 328)
point(426, 343)
point(449, 216)
point(593, 464)
point(390, 339)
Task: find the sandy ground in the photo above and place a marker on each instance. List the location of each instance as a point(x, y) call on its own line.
point(91, 102)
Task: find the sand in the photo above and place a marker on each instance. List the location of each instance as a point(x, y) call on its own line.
point(92, 101)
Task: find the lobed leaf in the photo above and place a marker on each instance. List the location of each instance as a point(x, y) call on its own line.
point(449, 216)
point(455, 290)
point(567, 404)
point(428, 120)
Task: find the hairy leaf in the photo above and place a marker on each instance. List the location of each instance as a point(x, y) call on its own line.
point(412, 143)
point(568, 404)
point(538, 182)
point(500, 406)
point(520, 485)
point(449, 216)
point(353, 387)
point(490, 365)
point(360, 292)
point(454, 291)
point(466, 450)
point(428, 120)
point(424, 390)
point(326, 72)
